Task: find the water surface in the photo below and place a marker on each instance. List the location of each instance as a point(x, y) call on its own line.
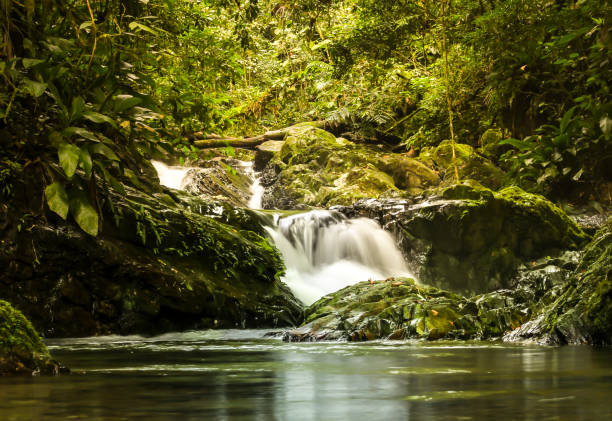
point(241, 375)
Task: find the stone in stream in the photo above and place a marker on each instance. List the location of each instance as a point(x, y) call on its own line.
point(21, 349)
point(402, 309)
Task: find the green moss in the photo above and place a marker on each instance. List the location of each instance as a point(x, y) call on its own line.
point(318, 169)
point(21, 349)
point(400, 308)
point(470, 165)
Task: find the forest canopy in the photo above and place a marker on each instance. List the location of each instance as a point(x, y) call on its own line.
point(90, 87)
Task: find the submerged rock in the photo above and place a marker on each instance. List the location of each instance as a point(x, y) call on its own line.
point(469, 239)
point(315, 168)
point(21, 349)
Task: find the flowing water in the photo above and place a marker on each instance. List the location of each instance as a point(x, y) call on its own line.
point(170, 176)
point(241, 375)
point(322, 250)
point(325, 252)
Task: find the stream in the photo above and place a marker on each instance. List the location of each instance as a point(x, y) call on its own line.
point(242, 375)
point(253, 375)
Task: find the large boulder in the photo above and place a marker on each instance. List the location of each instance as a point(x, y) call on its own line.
point(315, 168)
point(165, 261)
point(470, 165)
point(469, 239)
point(402, 309)
point(21, 349)
point(581, 312)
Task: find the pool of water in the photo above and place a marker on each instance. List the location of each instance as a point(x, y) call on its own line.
point(242, 375)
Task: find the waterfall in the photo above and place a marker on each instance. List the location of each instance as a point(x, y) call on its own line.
point(170, 176)
point(256, 189)
point(324, 252)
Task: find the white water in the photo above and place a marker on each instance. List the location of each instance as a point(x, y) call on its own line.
point(256, 189)
point(174, 177)
point(325, 252)
point(170, 176)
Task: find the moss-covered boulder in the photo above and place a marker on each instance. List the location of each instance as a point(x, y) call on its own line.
point(469, 239)
point(581, 312)
point(470, 165)
point(489, 143)
point(401, 309)
point(315, 168)
point(21, 349)
point(165, 261)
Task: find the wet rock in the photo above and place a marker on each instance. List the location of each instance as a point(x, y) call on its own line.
point(220, 180)
point(21, 349)
point(580, 311)
point(469, 239)
point(265, 152)
point(166, 261)
point(401, 309)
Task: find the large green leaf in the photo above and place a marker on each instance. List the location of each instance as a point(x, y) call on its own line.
point(519, 144)
point(69, 158)
point(77, 109)
point(57, 199)
point(125, 102)
point(79, 131)
point(34, 88)
point(85, 162)
point(84, 214)
point(99, 118)
point(102, 149)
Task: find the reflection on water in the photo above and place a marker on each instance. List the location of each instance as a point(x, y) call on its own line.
point(241, 375)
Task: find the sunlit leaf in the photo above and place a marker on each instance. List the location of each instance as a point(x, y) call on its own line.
point(69, 158)
point(84, 214)
point(34, 88)
point(99, 118)
point(125, 102)
point(102, 149)
point(85, 162)
point(605, 124)
point(57, 199)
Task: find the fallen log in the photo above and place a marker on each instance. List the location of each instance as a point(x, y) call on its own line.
point(241, 142)
point(214, 141)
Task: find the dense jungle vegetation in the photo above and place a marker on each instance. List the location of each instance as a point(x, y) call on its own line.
point(88, 85)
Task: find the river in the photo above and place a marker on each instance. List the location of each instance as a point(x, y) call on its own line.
point(242, 375)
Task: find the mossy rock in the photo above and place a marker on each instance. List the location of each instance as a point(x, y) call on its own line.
point(469, 239)
point(315, 168)
point(401, 308)
point(165, 261)
point(581, 312)
point(22, 351)
point(469, 164)
point(489, 143)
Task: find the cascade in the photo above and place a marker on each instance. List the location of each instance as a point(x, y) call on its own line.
point(323, 250)
point(170, 176)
